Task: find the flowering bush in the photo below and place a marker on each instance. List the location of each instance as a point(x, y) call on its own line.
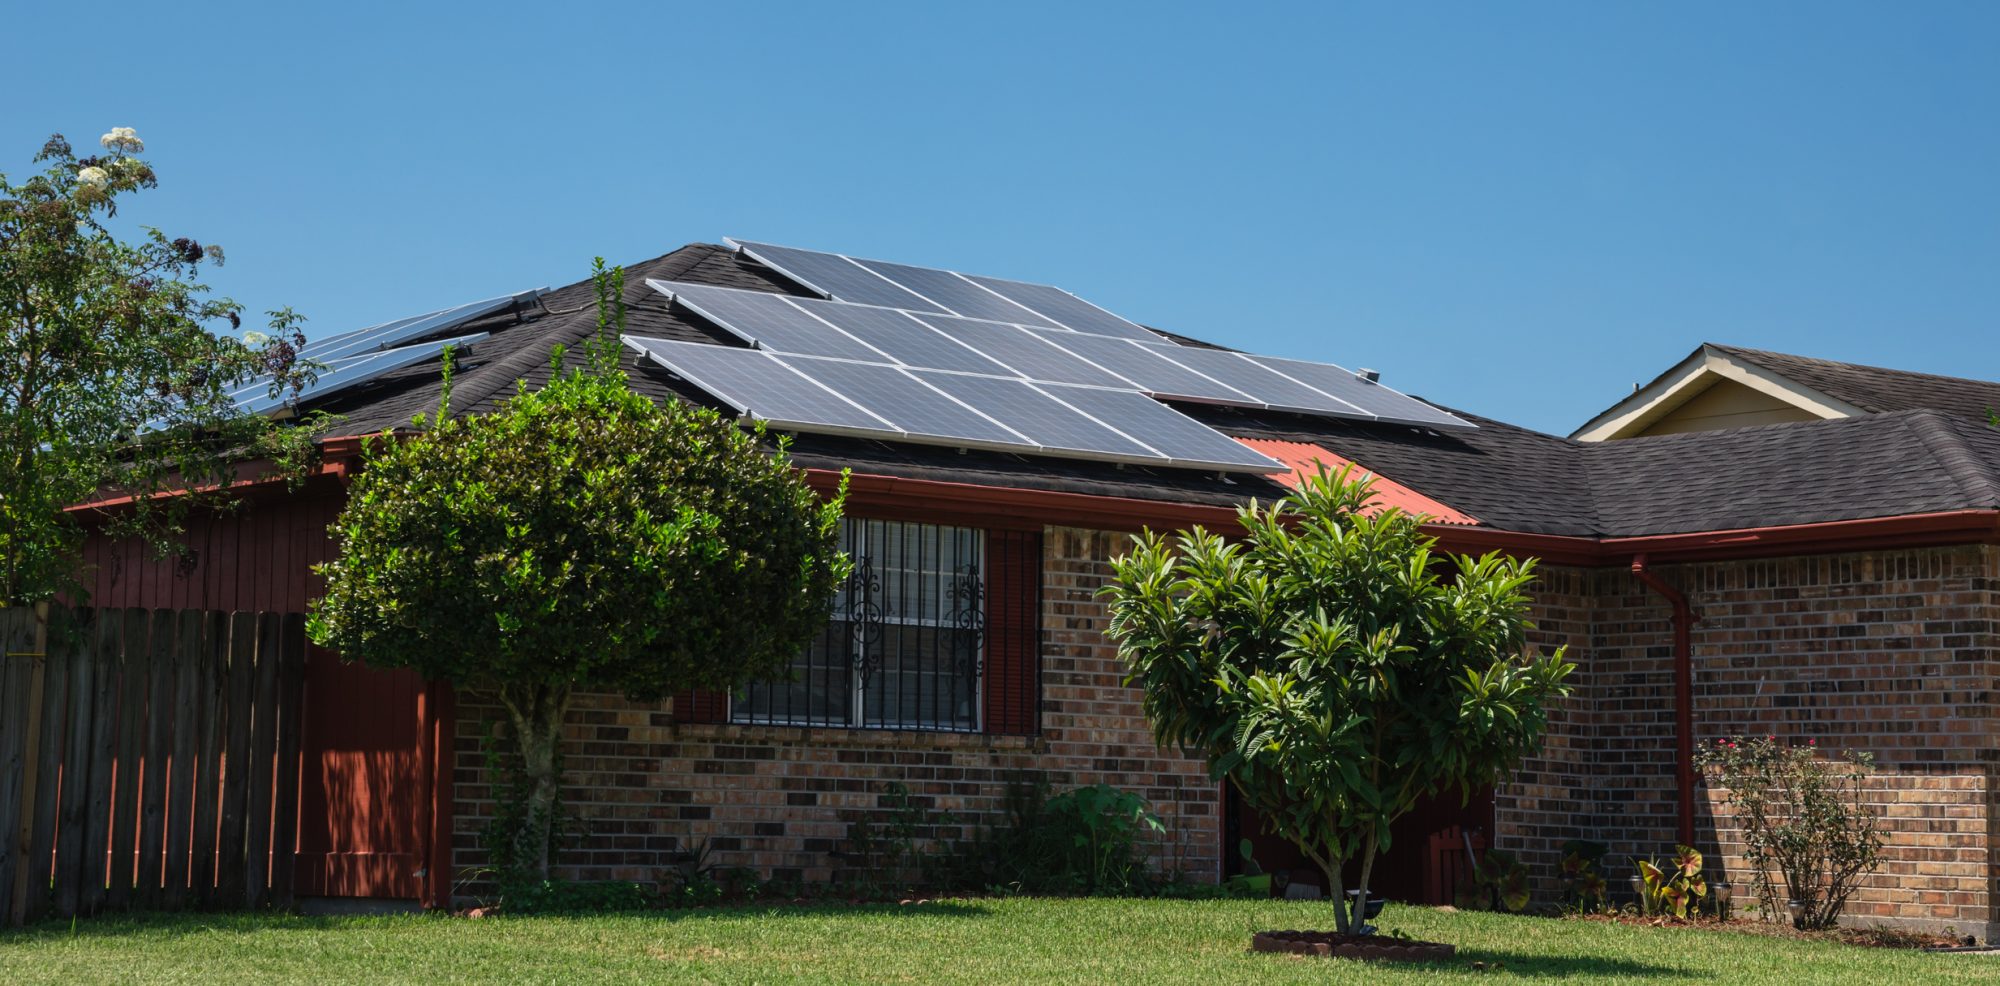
point(1802, 816)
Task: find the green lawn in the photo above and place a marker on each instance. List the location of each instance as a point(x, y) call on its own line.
point(974, 941)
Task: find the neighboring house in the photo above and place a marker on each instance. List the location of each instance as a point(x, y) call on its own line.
point(1719, 387)
point(1833, 579)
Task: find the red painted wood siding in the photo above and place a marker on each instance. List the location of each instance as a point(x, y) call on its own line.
point(373, 808)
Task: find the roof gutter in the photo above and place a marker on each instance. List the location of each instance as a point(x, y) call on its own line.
point(1683, 694)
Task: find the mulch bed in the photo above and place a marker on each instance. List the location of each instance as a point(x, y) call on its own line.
point(1863, 937)
point(1333, 943)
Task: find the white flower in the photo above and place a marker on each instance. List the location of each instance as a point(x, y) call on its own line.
point(123, 139)
point(93, 176)
point(255, 338)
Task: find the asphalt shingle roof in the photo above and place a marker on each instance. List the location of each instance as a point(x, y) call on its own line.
point(1910, 459)
point(1875, 388)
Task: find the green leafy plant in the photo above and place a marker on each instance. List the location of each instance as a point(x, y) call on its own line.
point(1105, 826)
point(1332, 667)
point(1253, 881)
point(882, 852)
point(1674, 887)
point(1804, 817)
point(1582, 862)
point(118, 370)
point(1499, 882)
point(1090, 840)
point(581, 537)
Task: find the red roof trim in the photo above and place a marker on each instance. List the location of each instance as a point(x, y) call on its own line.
point(1022, 509)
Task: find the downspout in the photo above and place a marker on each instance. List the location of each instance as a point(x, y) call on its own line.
point(1683, 693)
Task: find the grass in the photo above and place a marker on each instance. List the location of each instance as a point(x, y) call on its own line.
point(972, 941)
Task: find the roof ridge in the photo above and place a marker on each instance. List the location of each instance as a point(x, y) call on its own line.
point(1972, 471)
point(578, 324)
point(1849, 365)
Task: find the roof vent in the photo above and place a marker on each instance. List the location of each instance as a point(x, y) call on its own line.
point(1367, 375)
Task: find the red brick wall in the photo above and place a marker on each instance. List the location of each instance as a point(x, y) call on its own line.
point(779, 799)
point(1892, 653)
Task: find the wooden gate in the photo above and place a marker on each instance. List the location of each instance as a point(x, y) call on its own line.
point(148, 758)
point(375, 795)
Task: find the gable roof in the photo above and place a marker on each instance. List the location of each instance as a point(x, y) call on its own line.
point(1814, 388)
point(1502, 477)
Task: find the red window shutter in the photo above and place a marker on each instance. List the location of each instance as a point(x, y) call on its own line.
point(1013, 680)
point(701, 706)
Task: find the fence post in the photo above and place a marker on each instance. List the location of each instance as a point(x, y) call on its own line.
point(21, 684)
point(263, 760)
point(153, 791)
point(285, 809)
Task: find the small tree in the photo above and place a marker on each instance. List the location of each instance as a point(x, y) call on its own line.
point(110, 378)
point(581, 537)
point(1333, 668)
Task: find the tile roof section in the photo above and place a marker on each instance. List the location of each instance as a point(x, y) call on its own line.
point(1509, 478)
point(1306, 460)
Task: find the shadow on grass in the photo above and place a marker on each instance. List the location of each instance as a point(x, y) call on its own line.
point(178, 924)
point(1557, 966)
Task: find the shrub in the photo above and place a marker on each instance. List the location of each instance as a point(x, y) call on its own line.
point(1803, 817)
point(1332, 667)
point(1088, 840)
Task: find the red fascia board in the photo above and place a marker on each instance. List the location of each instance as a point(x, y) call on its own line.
point(1024, 509)
point(1011, 507)
point(1905, 531)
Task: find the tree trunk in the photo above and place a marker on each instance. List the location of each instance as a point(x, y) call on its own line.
point(1337, 891)
point(537, 715)
point(1361, 898)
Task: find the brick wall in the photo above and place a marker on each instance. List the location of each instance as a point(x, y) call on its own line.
point(779, 799)
point(1893, 653)
point(1888, 652)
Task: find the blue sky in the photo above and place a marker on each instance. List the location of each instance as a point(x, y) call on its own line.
point(1518, 209)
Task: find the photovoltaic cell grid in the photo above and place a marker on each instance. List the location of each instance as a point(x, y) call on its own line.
point(941, 292)
point(965, 306)
point(815, 327)
point(353, 358)
point(933, 407)
point(341, 374)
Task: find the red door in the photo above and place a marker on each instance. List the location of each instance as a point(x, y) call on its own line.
point(370, 791)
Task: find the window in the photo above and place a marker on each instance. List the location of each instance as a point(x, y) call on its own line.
point(905, 646)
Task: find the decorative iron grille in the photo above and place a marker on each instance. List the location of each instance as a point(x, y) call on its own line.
point(905, 645)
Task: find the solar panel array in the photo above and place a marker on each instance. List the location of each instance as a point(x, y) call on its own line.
point(940, 292)
point(353, 358)
point(882, 400)
point(927, 340)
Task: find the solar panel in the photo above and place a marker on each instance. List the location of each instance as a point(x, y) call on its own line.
point(956, 293)
point(1065, 309)
point(391, 334)
point(904, 339)
point(345, 373)
point(1373, 398)
point(1149, 371)
point(1048, 423)
point(754, 383)
point(765, 319)
point(1024, 352)
point(835, 276)
point(1261, 383)
point(1182, 439)
point(904, 401)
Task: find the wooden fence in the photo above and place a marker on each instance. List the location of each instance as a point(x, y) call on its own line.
point(148, 759)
